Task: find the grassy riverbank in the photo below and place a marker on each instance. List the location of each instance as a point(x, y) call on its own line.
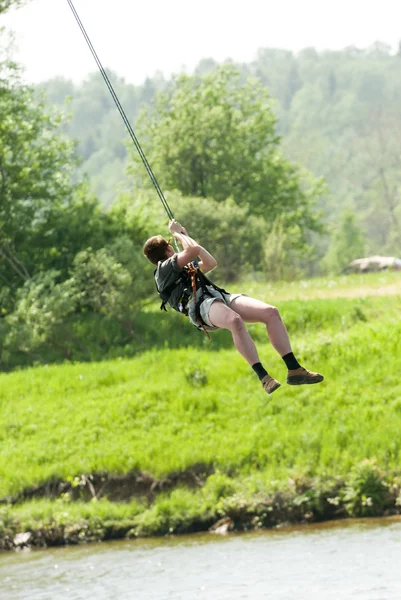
point(175, 439)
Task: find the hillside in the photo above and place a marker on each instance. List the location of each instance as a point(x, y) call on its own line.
point(175, 439)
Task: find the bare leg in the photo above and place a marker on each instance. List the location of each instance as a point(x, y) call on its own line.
point(255, 311)
point(222, 316)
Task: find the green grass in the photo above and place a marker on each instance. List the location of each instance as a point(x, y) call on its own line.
point(96, 337)
point(168, 409)
point(357, 285)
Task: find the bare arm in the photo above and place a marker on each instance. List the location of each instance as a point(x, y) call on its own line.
point(207, 261)
point(191, 248)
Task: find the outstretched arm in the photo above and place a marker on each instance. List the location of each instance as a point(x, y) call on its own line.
point(191, 249)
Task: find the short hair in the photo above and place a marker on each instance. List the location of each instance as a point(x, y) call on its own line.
point(155, 248)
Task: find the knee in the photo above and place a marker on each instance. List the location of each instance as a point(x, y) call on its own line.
point(271, 313)
point(235, 322)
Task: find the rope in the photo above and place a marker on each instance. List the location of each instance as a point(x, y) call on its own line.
point(123, 115)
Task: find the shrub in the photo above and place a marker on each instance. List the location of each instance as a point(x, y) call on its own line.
point(366, 492)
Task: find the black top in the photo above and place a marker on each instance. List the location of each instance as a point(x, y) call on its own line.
point(167, 273)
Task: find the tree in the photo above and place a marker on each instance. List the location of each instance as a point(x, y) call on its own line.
point(327, 105)
point(40, 315)
point(7, 4)
point(278, 70)
point(97, 126)
point(232, 236)
point(45, 218)
point(35, 171)
point(67, 229)
point(378, 148)
point(347, 243)
point(282, 258)
point(102, 284)
point(214, 136)
point(108, 281)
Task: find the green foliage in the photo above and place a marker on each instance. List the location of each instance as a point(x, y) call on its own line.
point(36, 163)
point(218, 486)
point(102, 284)
point(45, 219)
point(275, 253)
point(172, 513)
point(233, 236)
point(42, 306)
point(96, 124)
point(44, 318)
point(342, 124)
point(366, 491)
point(68, 229)
point(200, 133)
point(60, 523)
point(106, 286)
point(128, 251)
point(215, 136)
point(347, 243)
point(379, 203)
point(60, 254)
point(7, 4)
point(285, 251)
point(338, 113)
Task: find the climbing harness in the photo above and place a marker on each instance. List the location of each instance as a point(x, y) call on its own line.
point(123, 115)
point(192, 271)
point(191, 279)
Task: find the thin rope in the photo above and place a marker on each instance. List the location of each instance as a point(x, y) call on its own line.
point(123, 115)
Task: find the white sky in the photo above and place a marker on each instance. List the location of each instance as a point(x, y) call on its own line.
point(137, 38)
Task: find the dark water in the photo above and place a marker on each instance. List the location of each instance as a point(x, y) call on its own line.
point(339, 561)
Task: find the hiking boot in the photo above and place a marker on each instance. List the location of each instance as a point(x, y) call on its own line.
point(301, 376)
point(270, 384)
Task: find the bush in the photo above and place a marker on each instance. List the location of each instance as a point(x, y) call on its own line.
point(228, 232)
point(366, 492)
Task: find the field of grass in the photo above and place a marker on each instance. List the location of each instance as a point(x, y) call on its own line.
point(387, 283)
point(303, 453)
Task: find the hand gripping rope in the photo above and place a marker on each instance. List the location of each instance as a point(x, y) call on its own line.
point(123, 115)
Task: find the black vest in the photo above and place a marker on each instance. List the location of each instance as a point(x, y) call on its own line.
point(184, 279)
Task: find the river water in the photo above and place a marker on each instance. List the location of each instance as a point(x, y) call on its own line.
point(336, 561)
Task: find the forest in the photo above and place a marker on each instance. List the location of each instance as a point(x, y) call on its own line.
point(338, 114)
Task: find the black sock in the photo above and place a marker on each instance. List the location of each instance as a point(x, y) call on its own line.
point(291, 361)
point(259, 370)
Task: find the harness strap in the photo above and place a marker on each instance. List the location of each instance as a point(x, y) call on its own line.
point(195, 278)
point(193, 272)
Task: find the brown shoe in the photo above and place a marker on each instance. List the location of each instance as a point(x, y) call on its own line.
point(301, 376)
point(270, 384)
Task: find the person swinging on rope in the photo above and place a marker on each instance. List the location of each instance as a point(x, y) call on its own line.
point(181, 283)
